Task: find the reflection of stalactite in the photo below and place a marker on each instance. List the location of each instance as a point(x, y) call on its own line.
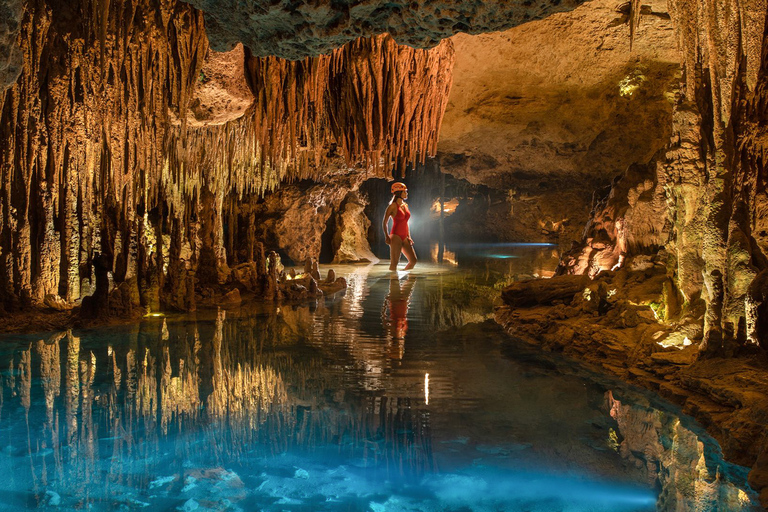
point(72, 391)
point(95, 136)
point(151, 388)
point(676, 460)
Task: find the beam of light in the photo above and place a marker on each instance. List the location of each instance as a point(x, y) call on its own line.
point(502, 256)
point(488, 484)
point(426, 388)
point(504, 244)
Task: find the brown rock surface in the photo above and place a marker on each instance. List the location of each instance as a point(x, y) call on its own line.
point(624, 327)
point(547, 110)
point(350, 240)
point(221, 91)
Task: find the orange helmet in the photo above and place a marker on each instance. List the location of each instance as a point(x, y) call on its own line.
point(397, 187)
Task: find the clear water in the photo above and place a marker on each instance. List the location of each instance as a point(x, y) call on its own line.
point(395, 396)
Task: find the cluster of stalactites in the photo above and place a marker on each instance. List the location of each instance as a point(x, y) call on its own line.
point(717, 36)
point(94, 160)
point(84, 133)
point(377, 104)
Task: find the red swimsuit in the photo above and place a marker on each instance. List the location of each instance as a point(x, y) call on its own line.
point(400, 222)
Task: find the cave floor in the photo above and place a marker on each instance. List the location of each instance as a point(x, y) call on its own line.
point(399, 394)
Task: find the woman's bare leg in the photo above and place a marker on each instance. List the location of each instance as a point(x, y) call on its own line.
point(395, 247)
point(410, 254)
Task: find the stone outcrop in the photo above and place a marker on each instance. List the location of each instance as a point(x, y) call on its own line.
point(350, 238)
point(631, 323)
point(221, 90)
point(711, 177)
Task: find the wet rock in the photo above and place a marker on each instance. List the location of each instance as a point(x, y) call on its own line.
point(231, 298)
point(339, 284)
point(544, 291)
point(124, 300)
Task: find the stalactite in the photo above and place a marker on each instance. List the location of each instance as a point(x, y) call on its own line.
point(634, 20)
point(95, 136)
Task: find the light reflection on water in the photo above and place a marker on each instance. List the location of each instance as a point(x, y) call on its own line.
point(324, 407)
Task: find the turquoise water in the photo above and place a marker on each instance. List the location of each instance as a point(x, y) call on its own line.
point(398, 395)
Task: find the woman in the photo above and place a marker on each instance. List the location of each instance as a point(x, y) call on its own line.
point(399, 239)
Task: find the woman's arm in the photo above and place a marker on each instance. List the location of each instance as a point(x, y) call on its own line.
point(408, 230)
point(384, 225)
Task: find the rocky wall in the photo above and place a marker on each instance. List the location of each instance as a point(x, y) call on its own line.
point(703, 197)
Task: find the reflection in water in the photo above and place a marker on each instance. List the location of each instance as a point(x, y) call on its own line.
point(395, 313)
point(310, 408)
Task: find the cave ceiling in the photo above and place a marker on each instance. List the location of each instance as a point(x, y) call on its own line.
point(562, 98)
point(294, 30)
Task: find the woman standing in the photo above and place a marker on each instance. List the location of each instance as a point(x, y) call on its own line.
point(399, 238)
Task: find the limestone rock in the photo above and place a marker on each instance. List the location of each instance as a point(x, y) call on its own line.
point(221, 91)
point(55, 302)
point(544, 291)
point(11, 12)
point(297, 30)
point(542, 110)
point(124, 300)
point(350, 240)
point(337, 285)
point(231, 298)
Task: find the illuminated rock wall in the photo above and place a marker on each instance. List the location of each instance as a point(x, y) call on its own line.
point(703, 198)
point(126, 137)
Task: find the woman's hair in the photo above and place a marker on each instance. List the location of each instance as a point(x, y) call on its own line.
point(397, 195)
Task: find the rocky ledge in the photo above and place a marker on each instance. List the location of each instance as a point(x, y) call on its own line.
point(630, 323)
point(263, 279)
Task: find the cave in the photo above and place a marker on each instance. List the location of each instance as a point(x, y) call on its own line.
point(384, 256)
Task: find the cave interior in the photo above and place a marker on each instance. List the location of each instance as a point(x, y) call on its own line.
point(162, 157)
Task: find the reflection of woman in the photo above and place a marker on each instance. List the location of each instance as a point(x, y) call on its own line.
point(399, 239)
point(397, 302)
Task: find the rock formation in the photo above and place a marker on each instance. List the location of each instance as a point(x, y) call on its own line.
point(10, 53)
point(295, 31)
point(550, 111)
point(126, 136)
point(701, 198)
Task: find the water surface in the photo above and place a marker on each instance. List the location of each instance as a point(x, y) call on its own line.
point(397, 395)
